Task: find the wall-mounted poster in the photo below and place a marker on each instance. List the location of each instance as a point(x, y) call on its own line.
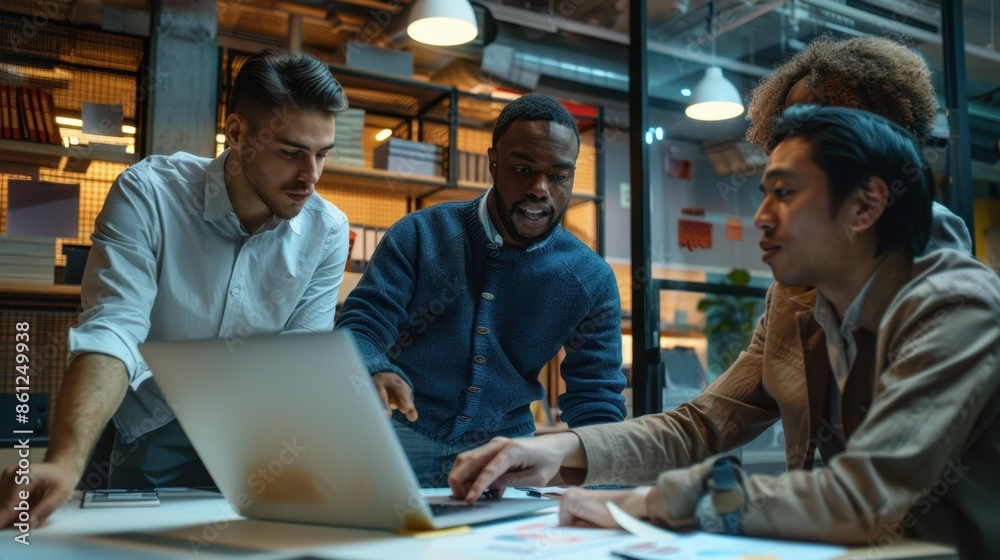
point(42, 208)
point(734, 229)
point(694, 234)
point(678, 168)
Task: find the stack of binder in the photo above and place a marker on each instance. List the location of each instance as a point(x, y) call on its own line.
point(405, 156)
point(474, 167)
point(347, 139)
point(27, 260)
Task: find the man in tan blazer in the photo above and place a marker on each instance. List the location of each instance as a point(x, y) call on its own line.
point(888, 370)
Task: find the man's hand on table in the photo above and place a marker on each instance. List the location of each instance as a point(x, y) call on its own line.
point(48, 487)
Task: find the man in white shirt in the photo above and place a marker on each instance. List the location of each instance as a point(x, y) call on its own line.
point(189, 247)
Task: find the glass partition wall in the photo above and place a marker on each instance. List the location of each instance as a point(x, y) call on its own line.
point(690, 272)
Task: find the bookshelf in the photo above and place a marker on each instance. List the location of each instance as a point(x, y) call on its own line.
point(50, 155)
point(74, 65)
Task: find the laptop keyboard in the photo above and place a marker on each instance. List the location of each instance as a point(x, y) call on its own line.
point(445, 509)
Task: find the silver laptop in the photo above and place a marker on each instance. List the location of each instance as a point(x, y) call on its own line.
point(291, 429)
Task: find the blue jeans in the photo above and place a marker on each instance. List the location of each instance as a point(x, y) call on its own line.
point(432, 460)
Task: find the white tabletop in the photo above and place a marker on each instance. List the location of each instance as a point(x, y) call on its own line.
point(193, 524)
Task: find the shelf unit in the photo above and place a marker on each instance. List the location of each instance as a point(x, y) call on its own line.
point(31, 153)
point(50, 155)
point(75, 65)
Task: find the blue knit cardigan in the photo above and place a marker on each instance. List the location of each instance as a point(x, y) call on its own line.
point(469, 324)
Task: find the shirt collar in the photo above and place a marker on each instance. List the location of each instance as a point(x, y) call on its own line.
point(484, 219)
point(216, 196)
point(852, 316)
point(217, 203)
point(295, 224)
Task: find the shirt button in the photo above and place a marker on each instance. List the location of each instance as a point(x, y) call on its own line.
point(464, 418)
point(480, 359)
point(482, 330)
point(487, 296)
point(492, 246)
point(474, 389)
point(236, 291)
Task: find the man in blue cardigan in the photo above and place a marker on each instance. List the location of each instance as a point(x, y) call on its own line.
point(463, 303)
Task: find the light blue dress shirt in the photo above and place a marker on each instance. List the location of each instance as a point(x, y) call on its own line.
point(484, 218)
point(171, 261)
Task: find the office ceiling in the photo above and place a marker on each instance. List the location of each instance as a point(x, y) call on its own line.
point(578, 48)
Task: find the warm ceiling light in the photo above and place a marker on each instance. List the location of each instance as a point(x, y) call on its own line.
point(78, 123)
point(442, 23)
point(66, 121)
point(383, 134)
point(220, 138)
point(714, 98)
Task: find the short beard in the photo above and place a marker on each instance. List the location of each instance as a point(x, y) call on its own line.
point(505, 213)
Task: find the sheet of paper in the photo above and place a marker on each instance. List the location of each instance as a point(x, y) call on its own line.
point(639, 528)
point(535, 537)
point(660, 544)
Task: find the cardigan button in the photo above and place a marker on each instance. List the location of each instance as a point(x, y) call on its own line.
point(480, 359)
point(474, 389)
point(487, 296)
point(464, 418)
point(492, 246)
point(482, 330)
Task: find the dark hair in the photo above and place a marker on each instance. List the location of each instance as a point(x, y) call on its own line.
point(851, 146)
point(533, 107)
point(271, 79)
point(872, 73)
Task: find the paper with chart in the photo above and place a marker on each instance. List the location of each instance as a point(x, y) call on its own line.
point(535, 537)
point(659, 544)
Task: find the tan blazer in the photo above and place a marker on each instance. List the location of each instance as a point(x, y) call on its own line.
point(919, 445)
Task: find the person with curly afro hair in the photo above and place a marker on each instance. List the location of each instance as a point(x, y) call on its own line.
point(870, 73)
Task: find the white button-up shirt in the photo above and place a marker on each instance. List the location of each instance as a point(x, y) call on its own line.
point(171, 261)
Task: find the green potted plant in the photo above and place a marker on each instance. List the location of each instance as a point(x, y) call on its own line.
point(729, 323)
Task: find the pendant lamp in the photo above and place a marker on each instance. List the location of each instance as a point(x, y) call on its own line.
point(714, 98)
point(442, 23)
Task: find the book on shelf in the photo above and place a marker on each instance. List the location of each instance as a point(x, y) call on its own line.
point(48, 116)
point(13, 114)
point(27, 114)
point(4, 119)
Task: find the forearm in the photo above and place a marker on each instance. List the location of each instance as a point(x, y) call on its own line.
point(572, 457)
point(573, 453)
point(92, 390)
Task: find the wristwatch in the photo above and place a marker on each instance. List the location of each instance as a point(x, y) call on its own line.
point(718, 511)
